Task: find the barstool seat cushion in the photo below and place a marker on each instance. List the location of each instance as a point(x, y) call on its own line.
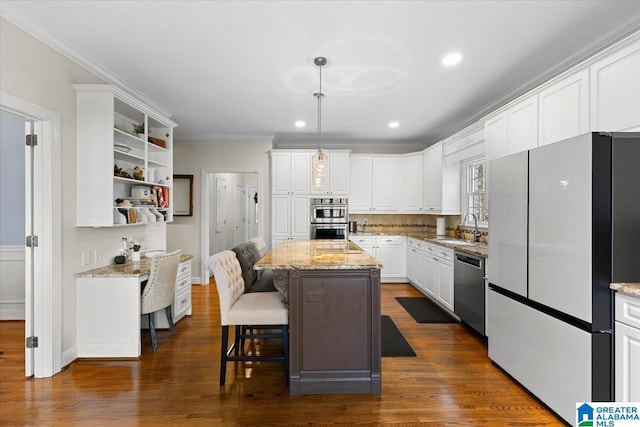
point(264, 282)
point(258, 308)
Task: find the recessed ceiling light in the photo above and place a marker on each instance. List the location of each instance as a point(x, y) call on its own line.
point(452, 58)
point(300, 124)
point(394, 125)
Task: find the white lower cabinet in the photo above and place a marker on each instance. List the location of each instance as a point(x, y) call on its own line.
point(181, 302)
point(390, 251)
point(430, 270)
point(627, 348)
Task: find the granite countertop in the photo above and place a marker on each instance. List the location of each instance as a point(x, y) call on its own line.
point(632, 289)
point(480, 249)
point(126, 269)
point(317, 255)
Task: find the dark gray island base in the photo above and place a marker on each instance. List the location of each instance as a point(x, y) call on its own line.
point(334, 320)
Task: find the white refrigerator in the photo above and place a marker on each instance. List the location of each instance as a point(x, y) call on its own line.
point(564, 222)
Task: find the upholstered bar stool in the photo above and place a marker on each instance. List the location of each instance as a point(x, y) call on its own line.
point(263, 309)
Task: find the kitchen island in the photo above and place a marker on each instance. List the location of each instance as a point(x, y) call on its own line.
point(333, 290)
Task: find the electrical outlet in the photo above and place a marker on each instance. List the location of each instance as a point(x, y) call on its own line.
point(97, 255)
point(86, 259)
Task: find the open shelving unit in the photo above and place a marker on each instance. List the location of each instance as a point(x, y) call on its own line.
point(115, 164)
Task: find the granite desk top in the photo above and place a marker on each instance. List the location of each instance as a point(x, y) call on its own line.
point(124, 270)
point(317, 255)
point(632, 289)
point(480, 249)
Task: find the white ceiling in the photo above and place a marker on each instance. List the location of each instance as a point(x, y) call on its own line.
point(244, 69)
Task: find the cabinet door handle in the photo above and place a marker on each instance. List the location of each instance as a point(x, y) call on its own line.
point(183, 301)
point(184, 268)
point(183, 282)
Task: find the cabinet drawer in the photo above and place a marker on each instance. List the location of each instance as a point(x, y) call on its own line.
point(366, 240)
point(182, 302)
point(381, 240)
point(628, 310)
point(184, 269)
point(183, 282)
point(439, 251)
point(417, 244)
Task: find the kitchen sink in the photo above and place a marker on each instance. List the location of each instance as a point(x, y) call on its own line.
point(456, 242)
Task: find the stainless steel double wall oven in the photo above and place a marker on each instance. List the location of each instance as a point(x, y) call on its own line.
point(330, 218)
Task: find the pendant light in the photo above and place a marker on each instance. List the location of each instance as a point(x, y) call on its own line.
point(319, 160)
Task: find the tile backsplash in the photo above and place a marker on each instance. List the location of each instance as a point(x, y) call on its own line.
point(405, 222)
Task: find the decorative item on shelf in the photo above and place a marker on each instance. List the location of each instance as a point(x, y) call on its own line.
point(157, 141)
point(121, 148)
point(120, 128)
point(119, 172)
point(138, 173)
point(119, 259)
point(319, 160)
point(138, 129)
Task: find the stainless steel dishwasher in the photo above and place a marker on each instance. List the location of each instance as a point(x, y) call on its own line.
point(468, 289)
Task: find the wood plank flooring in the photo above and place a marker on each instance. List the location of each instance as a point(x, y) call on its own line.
point(452, 382)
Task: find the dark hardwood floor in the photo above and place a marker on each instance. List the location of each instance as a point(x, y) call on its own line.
point(451, 382)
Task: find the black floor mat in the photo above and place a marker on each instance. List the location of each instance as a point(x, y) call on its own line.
point(424, 311)
point(393, 342)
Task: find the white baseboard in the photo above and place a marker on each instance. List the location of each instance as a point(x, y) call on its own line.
point(12, 271)
point(12, 310)
point(69, 356)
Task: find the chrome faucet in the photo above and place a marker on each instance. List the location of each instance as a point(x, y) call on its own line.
point(476, 233)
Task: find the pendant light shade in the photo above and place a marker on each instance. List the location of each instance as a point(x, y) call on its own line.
point(320, 160)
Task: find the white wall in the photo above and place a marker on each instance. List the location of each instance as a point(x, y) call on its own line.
point(191, 157)
point(12, 216)
point(38, 74)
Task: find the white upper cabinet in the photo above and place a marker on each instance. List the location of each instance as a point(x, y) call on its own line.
point(290, 172)
point(337, 178)
point(412, 188)
point(441, 183)
point(513, 130)
point(522, 125)
point(115, 162)
point(360, 172)
point(495, 136)
point(385, 184)
point(374, 183)
point(564, 109)
point(615, 91)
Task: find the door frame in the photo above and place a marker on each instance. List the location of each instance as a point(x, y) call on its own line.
point(47, 288)
point(205, 211)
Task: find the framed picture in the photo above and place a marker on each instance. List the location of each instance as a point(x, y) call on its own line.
point(182, 195)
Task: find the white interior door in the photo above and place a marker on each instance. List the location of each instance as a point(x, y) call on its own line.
point(43, 264)
point(219, 235)
point(240, 215)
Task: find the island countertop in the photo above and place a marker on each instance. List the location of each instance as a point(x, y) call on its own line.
point(317, 255)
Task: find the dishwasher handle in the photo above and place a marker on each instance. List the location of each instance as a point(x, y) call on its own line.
point(469, 260)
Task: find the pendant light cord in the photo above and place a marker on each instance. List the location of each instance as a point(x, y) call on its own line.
point(319, 95)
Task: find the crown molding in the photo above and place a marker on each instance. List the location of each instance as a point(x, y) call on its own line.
point(226, 138)
point(616, 37)
point(9, 12)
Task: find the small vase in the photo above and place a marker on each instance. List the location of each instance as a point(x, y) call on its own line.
point(135, 256)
